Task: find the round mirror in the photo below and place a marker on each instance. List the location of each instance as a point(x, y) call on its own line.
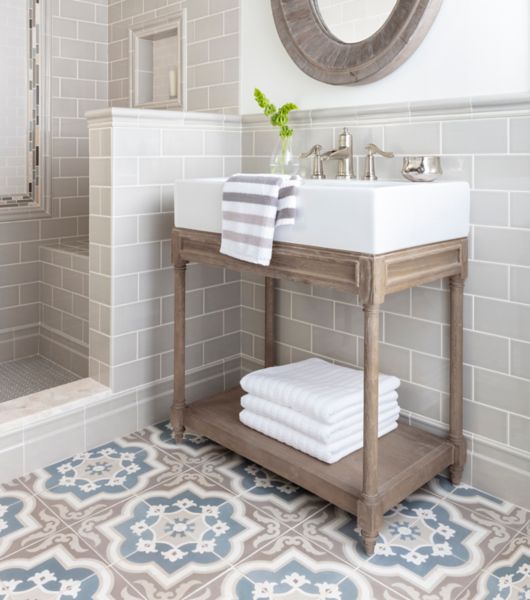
point(380, 35)
point(354, 20)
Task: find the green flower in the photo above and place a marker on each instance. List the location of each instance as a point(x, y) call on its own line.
point(278, 117)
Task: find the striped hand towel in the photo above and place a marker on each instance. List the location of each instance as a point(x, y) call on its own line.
point(253, 206)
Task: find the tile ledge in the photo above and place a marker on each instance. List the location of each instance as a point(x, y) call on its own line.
point(28, 410)
point(465, 106)
point(148, 114)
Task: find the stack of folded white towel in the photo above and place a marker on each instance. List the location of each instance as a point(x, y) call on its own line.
point(315, 407)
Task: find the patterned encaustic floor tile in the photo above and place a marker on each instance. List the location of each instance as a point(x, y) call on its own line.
point(24, 521)
point(193, 450)
point(143, 518)
point(269, 492)
point(288, 568)
point(507, 576)
point(428, 546)
point(91, 481)
point(487, 509)
point(177, 536)
point(58, 567)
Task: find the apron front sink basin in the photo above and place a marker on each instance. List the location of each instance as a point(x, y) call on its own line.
point(371, 217)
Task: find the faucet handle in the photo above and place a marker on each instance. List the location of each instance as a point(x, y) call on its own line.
point(317, 171)
point(373, 149)
point(369, 166)
point(314, 151)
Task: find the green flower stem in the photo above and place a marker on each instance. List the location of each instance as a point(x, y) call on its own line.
point(279, 117)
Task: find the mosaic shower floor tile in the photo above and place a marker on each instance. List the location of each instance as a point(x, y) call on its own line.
point(143, 518)
point(30, 375)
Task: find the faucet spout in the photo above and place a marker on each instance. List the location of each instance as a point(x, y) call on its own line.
point(344, 155)
point(337, 154)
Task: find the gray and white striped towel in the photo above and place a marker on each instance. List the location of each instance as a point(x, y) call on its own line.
point(253, 206)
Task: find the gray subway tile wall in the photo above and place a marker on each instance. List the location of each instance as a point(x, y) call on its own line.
point(89, 55)
point(79, 83)
point(490, 151)
point(212, 49)
point(131, 222)
point(131, 279)
point(64, 297)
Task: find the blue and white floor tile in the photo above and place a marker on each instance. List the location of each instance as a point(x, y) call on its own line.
point(487, 510)
point(193, 450)
point(428, 546)
point(65, 569)
point(24, 520)
point(507, 576)
point(269, 492)
point(178, 535)
point(92, 481)
point(142, 518)
point(284, 572)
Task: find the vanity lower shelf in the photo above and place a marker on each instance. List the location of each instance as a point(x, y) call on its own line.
point(387, 469)
point(408, 456)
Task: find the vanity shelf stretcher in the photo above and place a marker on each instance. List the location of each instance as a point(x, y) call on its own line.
point(386, 470)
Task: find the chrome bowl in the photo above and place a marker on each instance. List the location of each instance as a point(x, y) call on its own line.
point(421, 168)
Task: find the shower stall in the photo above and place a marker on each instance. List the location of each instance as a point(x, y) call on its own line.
point(43, 207)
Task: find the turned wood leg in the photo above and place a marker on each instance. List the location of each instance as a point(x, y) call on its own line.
point(177, 409)
point(456, 420)
point(270, 359)
point(370, 513)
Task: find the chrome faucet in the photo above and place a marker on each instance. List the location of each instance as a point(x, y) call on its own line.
point(343, 154)
point(369, 166)
point(317, 169)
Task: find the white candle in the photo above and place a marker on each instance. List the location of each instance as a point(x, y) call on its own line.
point(173, 83)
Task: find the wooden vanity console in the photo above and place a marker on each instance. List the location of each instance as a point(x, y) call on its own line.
point(375, 478)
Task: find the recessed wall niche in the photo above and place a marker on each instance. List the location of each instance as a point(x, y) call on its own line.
point(157, 62)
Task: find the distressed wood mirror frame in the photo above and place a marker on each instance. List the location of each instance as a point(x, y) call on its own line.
point(323, 56)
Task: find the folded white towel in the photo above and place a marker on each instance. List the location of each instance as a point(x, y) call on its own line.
point(253, 206)
point(314, 387)
point(328, 453)
point(352, 423)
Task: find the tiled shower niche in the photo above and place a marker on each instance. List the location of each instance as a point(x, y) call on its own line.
point(157, 59)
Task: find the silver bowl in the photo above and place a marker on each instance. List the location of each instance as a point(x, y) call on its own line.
point(421, 168)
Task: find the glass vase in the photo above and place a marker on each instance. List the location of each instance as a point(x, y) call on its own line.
point(283, 160)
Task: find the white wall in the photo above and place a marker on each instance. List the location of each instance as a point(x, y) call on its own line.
point(475, 47)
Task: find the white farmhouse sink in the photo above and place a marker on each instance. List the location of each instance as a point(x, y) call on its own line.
point(360, 216)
